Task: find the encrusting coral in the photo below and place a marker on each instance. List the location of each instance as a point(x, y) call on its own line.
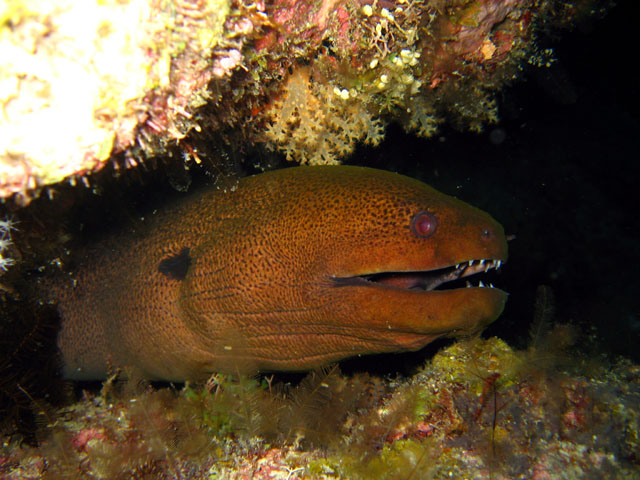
point(82, 81)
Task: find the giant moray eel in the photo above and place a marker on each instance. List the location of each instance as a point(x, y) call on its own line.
point(291, 270)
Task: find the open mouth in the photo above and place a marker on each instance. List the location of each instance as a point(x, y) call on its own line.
point(447, 278)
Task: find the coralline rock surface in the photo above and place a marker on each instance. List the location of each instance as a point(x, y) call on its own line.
point(86, 83)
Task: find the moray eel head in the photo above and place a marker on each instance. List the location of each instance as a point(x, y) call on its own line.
point(342, 261)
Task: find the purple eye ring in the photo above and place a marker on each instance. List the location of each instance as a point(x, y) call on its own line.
point(424, 224)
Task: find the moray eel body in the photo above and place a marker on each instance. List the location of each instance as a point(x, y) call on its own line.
point(292, 270)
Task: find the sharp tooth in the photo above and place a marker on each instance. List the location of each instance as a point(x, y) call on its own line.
point(491, 285)
point(482, 262)
point(487, 268)
point(499, 263)
point(469, 284)
point(481, 284)
point(470, 263)
point(457, 266)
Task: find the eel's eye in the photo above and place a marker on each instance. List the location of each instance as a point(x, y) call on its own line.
point(424, 224)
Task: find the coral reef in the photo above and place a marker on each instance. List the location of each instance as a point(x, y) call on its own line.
point(478, 410)
point(85, 84)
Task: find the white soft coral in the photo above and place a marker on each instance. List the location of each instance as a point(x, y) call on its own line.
point(317, 124)
point(6, 226)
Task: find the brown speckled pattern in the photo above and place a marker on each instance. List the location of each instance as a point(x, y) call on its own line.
point(259, 293)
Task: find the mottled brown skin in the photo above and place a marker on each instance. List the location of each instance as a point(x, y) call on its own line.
point(261, 293)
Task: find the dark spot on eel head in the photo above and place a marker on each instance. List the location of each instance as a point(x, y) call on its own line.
point(176, 266)
point(424, 224)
